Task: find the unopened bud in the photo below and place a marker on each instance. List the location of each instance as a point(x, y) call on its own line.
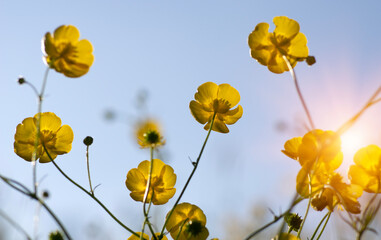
point(88, 141)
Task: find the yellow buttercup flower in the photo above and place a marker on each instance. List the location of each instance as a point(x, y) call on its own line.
point(367, 169)
point(191, 220)
point(65, 53)
point(145, 237)
point(218, 100)
point(317, 149)
point(148, 134)
point(328, 190)
point(286, 40)
point(56, 138)
point(163, 180)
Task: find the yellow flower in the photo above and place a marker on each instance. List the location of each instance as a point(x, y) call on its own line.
point(216, 99)
point(56, 138)
point(317, 149)
point(145, 237)
point(148, 134)
point(65, 53)
point(286, 236)
point(367, 169)
point(328, 190)
point(286, 40)
point(162, 182)
point(191, 220)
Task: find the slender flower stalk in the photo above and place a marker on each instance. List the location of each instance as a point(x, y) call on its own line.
point(88, 169)
point(325, 224)
point(38, 126)
point(195, 164)
point(88, 193)
point(321, 222)
point(292, 72)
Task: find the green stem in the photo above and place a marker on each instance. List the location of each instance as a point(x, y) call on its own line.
point(325, 224)
point(14, 224)
point(292, 72)
point(88, 193)
point(195, 164)
point(88, 169)
point(34, 196)
point(38, 129)
point(307, 210)
point(317, 228)
point(368, 104)
point(146, 193)
point(181, 228)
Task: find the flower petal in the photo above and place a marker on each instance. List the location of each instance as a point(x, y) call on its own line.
point(286, 27)
point(206, 93)
point(135, 181)
point(291, 147)
point(49, 121)
point(298, 47)
point(199, 113)
point(229, 94)
point(66, 33)
point(232, 116)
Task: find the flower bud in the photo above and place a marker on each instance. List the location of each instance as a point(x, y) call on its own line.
point(88, 141)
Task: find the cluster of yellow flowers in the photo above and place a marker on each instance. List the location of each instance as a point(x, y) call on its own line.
point(43, 137)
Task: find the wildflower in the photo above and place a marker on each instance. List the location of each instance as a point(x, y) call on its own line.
point(188, 221)
point(56, 138)
point(148, 134)
point(64, 52)
point(218, 100)
point(286, 40)
point(145, 237)
point(327, 190)
point(163, 180)
point(293, 221)
point(317, 149)
point(286, 236)
point(367, 169)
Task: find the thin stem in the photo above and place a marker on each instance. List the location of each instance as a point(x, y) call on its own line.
point(317, 228)
point(88, 169)
point(325, 224)
point(88, 193)
point(181, 228)
point(14, 224)
point(369, 103)
point(146, 193)
point(34, 196)
point(276, 219)
point(292, 72)
point(306, 214)
point(195, 164)
point(38, 128)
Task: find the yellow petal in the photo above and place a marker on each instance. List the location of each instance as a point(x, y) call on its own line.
point(218, 126)
point(160, 198)
point(199, 113)
point(232, 116)
point(286, 27)
point(26, 131)
point(66, 33)
point(64, 137)
point(157, 167)
point(168, 176)
point(291, 147)
point(298, 47)
point(260, 45)
point(277, 64)
point(136, 181)
point(49, 121)
point(206, 93)
point(369, 157)
point(229, 94)
point(45, 158)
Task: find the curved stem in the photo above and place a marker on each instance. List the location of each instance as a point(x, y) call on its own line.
point(88, 193)
point(368, 104)
point(325, 224)
point(292, 72)
point(88, 170)
point(14, 224)
point(195, 164)
point(317, 228)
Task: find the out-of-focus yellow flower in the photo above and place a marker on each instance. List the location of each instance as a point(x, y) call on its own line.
point(65, 53)
point(191, 220)
point(286, 236)
point(317, 149)
point(145, 237)
point(148, 134)
point(328, 190)
point(162, 182)
point(367, 169)
point(216, 99)
point(286, 40)
point(56, 138)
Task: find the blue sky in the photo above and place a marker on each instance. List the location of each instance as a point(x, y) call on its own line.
point(168, 49)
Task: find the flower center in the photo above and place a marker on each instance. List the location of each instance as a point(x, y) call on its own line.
point(48, 138)
point(193, 228)
point(220, 106)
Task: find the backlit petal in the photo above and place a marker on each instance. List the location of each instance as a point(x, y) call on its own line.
point(286, 27)
point(199, 113)
point(229, 94)
point(206, 93)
